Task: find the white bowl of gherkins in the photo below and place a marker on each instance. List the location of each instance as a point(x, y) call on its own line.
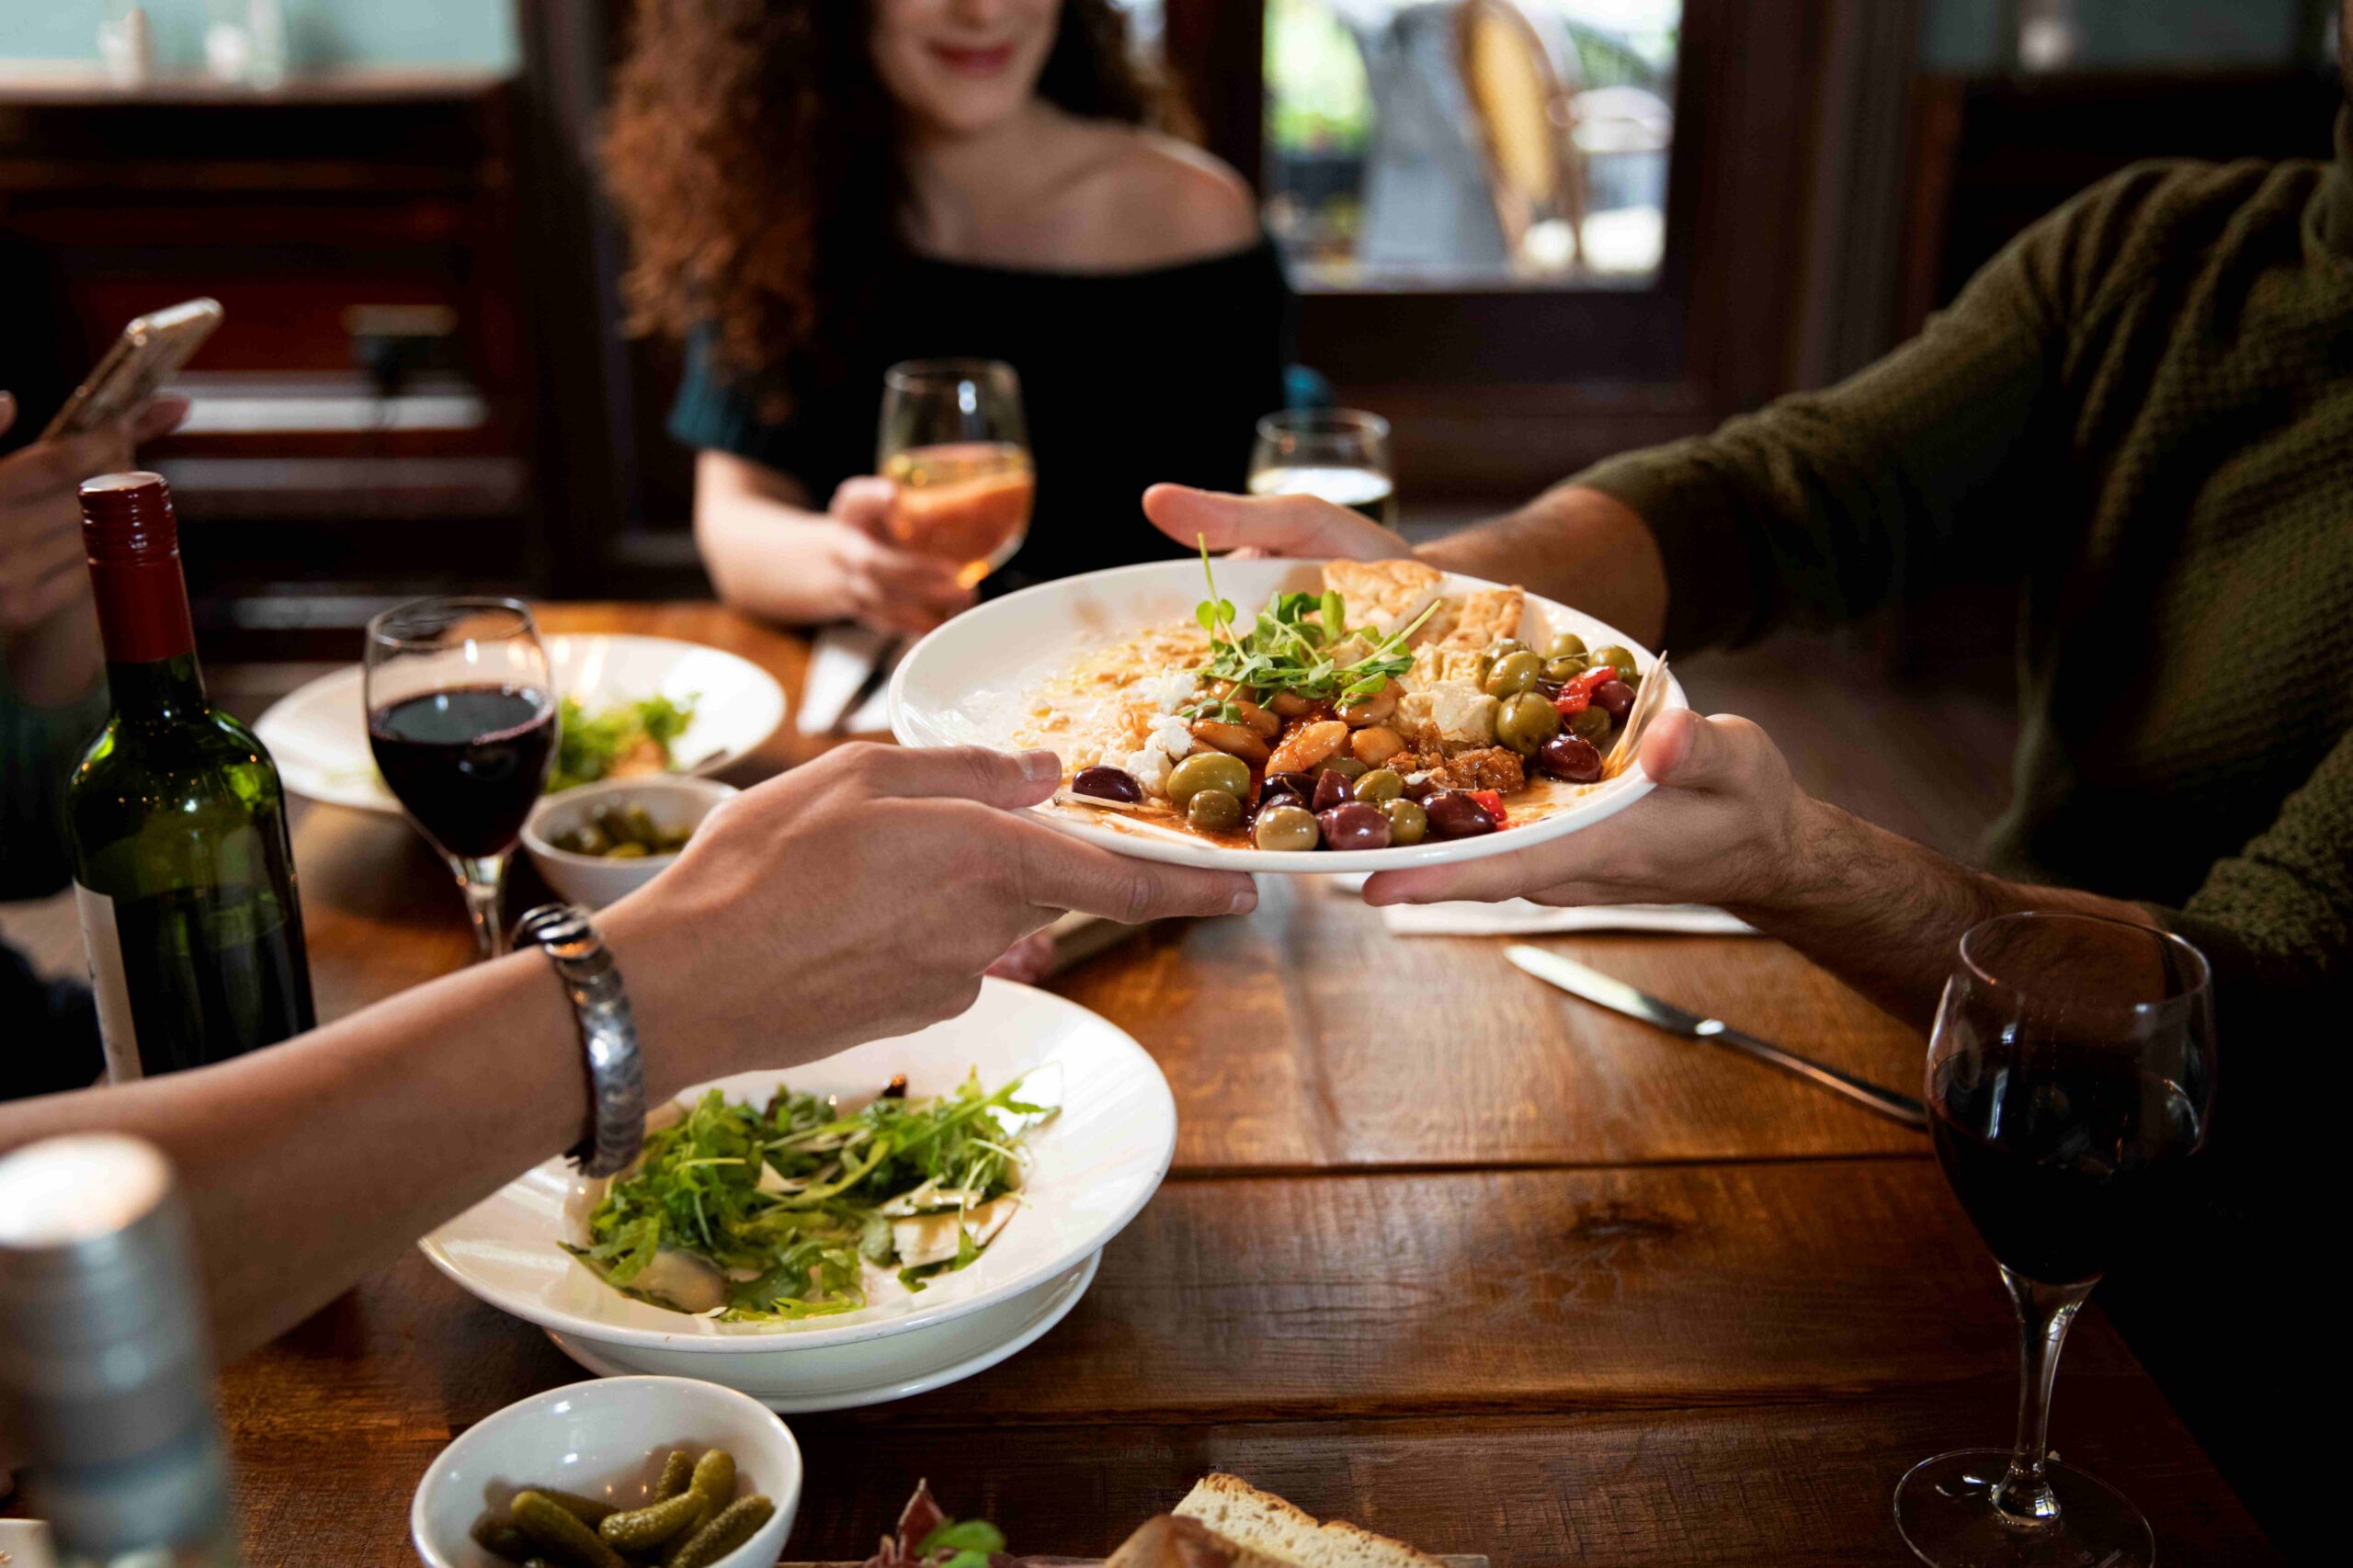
point(631, 1473)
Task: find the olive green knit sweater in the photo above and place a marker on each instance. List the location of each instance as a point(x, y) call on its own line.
point(2144, 406)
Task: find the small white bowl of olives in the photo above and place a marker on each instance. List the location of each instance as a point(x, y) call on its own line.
point(597, 842)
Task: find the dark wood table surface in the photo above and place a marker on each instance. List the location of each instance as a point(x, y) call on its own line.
point(1443, 1252)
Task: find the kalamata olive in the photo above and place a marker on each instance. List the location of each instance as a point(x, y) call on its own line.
point(1614, 698)
point(1420, 785)
point(1591, 722)
point(1526, 721)
point(1353, 826)
point(1380, 784)
point(1564, 646)
point(1207, 770)
point(1407, 821)
point(1616, 658)
point(1453, 815)
point(1285, 828)
point(1512, 674)
point(1564, 669)
point(1108, 784)
point(1213, 811)
point(1572, 757)
point(1286, 789)
point(1331, 788)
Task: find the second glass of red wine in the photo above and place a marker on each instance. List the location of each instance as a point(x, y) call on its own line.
point(462, 717)
point(2071, 1076)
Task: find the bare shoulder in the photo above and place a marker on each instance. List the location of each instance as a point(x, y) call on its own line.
point(1168, 201)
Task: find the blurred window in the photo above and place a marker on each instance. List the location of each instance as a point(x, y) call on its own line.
point(1451, 144)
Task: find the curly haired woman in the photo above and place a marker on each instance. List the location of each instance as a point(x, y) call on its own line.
point(819, 188)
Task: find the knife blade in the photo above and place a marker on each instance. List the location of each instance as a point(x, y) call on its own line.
point(1604, 991)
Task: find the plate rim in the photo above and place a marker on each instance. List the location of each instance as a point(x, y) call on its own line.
point(749, 1340)
point(383, 803)
point(1004, 1350)
point(1175, 850)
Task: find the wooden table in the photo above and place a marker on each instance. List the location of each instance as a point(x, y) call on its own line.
point(1443, 1252)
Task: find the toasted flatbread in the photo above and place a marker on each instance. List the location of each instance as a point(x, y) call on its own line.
point(1261, 1523)
point(1383, 594)
point(1486, 617)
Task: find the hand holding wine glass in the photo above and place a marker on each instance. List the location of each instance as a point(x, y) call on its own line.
point(461, 718)
point(2071, 1074)
point(888, 587)
point(954, 442)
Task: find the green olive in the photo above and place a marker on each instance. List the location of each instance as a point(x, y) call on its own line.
point(1348, 768)
point(629, 851)
point(1512, 674)
point(1286, 827)
point(1564, 669)
point(1380, 784)
point(1589, 723)
point(1407, 821)
point(1526, 721)
point(1618, 659)
point(1505, 646)
point(1566, 644)
point(1207, 770)
point(1213, 811)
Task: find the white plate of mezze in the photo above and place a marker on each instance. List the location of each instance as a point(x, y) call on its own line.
point(1455, 718)
point(1080, 1171)
point(318, 734)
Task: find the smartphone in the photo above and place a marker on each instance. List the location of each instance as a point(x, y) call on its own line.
point(147, 356)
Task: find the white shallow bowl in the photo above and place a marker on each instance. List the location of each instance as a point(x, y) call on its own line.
point(1093, 1167)
point(675, 801)
point(318, 733)
point(604, 1441)
point(965, 685)
point(870, 1371)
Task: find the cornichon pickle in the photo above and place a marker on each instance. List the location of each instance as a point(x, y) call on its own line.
point(714, 1476)
point(502, 1537)
point(677, 1471)
point(686, 1538)
point(736, 1524)
point(561, 1533)
point(639, 1530)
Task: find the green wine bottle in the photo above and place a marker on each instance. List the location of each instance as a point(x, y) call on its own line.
point(182, 868)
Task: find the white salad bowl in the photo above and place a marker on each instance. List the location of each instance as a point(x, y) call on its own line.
point(604, 1441)
point(968, 684)
point(318, 733)
point(676, 802)
point(1093, 1168)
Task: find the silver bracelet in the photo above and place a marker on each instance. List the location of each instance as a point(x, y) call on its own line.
point(608, 1033)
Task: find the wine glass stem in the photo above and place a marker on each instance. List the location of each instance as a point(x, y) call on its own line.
point(2023, 1496)
point(481, 879)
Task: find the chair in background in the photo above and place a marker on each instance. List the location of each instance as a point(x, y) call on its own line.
point(1521, 89)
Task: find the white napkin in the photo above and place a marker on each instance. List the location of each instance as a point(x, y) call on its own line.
point(1518, 916)
point(844, 656)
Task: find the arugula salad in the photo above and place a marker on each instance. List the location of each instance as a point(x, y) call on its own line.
point(624, 741)
point(777, 1214)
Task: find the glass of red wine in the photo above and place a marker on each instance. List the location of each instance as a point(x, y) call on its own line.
point(2071, 1078)
point(462, 717)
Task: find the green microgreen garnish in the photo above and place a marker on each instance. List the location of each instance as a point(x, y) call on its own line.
point(1294, 647)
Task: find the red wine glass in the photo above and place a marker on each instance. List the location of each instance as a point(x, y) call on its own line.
point(462, 717)
point(2071, 1076)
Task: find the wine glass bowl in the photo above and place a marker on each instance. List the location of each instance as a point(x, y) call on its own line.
point(462, 721)
point(2070, 1078)
point(1338, 454)
point(954, 441)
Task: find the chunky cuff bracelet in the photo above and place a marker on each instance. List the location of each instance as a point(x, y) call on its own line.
point(607, 1034)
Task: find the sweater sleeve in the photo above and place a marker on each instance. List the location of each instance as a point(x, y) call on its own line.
point(38, 747)
point(1823, 505)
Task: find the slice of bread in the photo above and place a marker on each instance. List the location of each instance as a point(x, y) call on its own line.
point(1271, 1530)
point(1383, 594)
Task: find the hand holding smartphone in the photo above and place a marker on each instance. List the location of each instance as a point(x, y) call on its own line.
point(151, 351)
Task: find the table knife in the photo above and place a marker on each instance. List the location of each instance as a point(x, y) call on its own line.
point(1620, 998)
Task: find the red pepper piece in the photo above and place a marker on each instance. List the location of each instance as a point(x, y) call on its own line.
point(1493, 801)
point(1578, 695)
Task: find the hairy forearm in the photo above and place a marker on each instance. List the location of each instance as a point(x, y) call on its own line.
point(310, 1163)
point(1886, 914)
point(1574, 544)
